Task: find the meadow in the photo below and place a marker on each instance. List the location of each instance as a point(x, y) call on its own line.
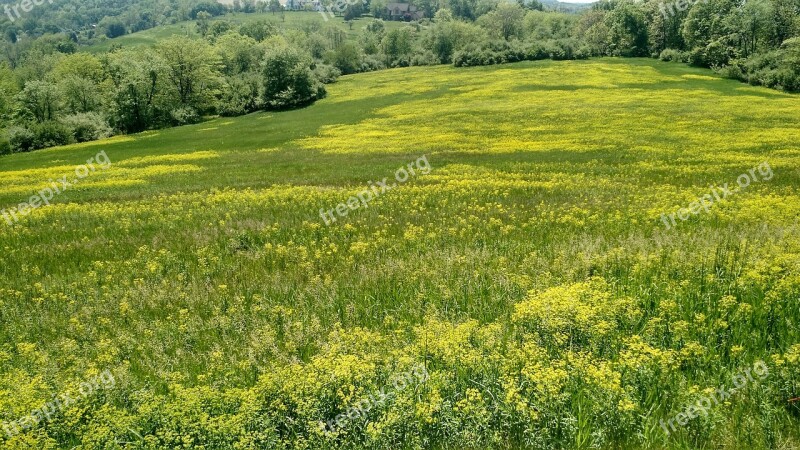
point(529, 272)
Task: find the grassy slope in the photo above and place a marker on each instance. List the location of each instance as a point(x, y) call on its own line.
point(291, 20)
point(544, 173)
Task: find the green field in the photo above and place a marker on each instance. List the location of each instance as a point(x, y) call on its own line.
point(529, 271)
point(289, 21)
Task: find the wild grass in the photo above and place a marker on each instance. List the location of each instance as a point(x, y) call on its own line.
point(529, 271)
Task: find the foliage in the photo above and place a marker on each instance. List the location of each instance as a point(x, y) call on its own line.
point(347, 58)
point(191, 69)
point(288, 79)
point(87, 126)
point(197, 54)
point(397, 46)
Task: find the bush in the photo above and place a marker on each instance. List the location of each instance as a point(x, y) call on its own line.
point(426, 58)
point(371, 63)
point(789, 78)
point(51, 134)
point(771, 69)
point(38, 135)
point(501, 51)
point(213, 8)
point(671, 55)
point(5, 145)
point(87, 127)
point(241, 96)
point(717, 54)
point(288, 79)
point(555, 51)
point(20, 139)
point(347, 58)
point(115, 30)
point(734, 71)
point(328, 74)
point(536, 51)
point(184, 116)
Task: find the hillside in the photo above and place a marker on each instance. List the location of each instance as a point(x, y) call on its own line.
point(521, 282)
point(294, 20)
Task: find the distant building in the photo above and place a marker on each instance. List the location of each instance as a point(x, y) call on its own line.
point(403, 11)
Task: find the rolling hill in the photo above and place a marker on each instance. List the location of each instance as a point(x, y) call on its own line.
point(521, 270)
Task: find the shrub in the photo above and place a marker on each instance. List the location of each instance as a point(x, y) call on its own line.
point(556, 51)
point(20, 139)
point(5, 145)
point(184, 116)
point(87, 127)
point(371, 63)
point(788, 78)
point(670, 55)
point(213, 8)
point(51, 134)
point(771, 69)
point(536, 51)
point(347, 58)
point(734, 71)
point(115, 29)
point(38, 135)
point(328, 74)
point(426, 58)
point(288, 80)
point(241, 96)
point(717, 54)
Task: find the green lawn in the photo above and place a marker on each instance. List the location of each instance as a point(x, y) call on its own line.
point(529, 271)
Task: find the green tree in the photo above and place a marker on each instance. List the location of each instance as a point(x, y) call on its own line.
point(191, 71)
point(275, 6)
point(785, 20)
point(464, 9)
point(83, 65)
point(664, 30)
point(591, 29)
point(505, 21)
point(237, 53)
point(447, 36)
point(113, 27)
point(203, 22)
point(428, 7)
point(40, 101)
point(288, 79)
point(80, 94)
point(258, 30)
point(137, 100)
point(218, 28)
point(397, 46)
point(347, 58)
point(705, 22)
point(8, 89)
point(627, 27)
